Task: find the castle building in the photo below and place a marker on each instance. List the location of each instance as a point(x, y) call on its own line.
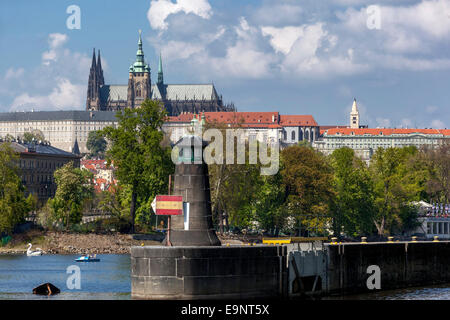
point(176, 98)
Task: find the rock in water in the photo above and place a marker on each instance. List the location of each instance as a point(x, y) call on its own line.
point(46, 289)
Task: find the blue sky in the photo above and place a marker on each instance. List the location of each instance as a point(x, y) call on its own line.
point(292, 56)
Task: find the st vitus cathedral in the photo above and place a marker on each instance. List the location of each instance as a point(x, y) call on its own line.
point(177, 98)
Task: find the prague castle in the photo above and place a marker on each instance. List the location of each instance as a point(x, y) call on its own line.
point(177, 98)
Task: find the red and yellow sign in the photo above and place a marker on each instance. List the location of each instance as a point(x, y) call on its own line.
point(168, 205)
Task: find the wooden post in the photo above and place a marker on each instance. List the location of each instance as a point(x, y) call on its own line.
point(169, 244)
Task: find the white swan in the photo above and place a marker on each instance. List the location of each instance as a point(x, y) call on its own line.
point(30, 253)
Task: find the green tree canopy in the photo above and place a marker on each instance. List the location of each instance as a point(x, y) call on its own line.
point(142, 162)
point(96, 144)
point(308, 181)
point(35, 135)
point(13, 205)
point(398, 180)
point(74, 187)
point(353, 205)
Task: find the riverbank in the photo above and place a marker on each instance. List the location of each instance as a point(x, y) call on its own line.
point(73, 243)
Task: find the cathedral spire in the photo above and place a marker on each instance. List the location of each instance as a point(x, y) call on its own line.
point(160, 71)
point(140, 65)
point(101, 79)
point(93, 66)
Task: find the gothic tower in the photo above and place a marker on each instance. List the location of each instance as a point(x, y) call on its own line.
point(93, 92)
point(101, 79)
point(160, 82)
point(139, 83)
point(354, 116)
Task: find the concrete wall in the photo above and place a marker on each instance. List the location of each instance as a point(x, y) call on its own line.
point(402, 265)
point(233, 272)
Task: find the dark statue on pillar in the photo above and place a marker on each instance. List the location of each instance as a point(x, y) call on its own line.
point(192, 182)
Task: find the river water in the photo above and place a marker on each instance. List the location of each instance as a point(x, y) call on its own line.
point(109, 279)
point(441, 292)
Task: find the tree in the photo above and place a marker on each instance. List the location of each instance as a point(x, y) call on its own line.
point(142, 162)
point(13, 205)
point(398, 181)
point(270, 210)
point(353, 205)
point(438, 160)
point(74, 188)
point(35, 135)
point(96, 144)
point(308, 187)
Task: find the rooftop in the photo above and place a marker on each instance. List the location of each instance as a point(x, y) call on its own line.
point(39, 148)
point(250, 119)
point(74, 115)
point(384, 131)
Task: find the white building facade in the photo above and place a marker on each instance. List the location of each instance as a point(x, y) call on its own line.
point(365, 141)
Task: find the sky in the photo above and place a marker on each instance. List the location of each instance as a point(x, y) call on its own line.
point(292, 56)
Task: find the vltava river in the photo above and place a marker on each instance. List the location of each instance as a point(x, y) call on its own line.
point(104, 280)
point(109, 279)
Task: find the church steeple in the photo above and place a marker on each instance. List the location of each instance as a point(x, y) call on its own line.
point(160, 72)
point(93, 92)
point(93, 66)
point(101, 79)
point(140, 65)
point(354, 116)
point(139, 83)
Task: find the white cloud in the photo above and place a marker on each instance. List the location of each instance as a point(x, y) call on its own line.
point(59, 82)
point(55, 41)
point(282, 39)
point(12, 73)
point(161, 9)
point(65, 95)
point(383, 122)
point(244, 58)
point(312, 55)
point(406, 123)
point(431, 109)
point(174, 50)
point(286, 13)
point(437, 124)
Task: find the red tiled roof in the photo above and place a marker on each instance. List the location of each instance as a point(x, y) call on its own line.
point(250, 118)
point(331, 127)
point(385, 132)
point(297, 120)
point(244, 117)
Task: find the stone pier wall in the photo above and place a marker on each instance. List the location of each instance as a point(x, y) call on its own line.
point(403, 264)
point(234, 272)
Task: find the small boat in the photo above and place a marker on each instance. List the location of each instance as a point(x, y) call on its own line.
point(37, 252)
point(88, 258)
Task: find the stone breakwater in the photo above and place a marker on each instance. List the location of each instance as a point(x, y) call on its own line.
point(68, 243)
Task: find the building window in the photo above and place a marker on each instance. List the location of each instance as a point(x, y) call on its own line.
point(293, 135)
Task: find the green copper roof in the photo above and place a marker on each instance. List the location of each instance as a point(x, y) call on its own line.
point(140, 65)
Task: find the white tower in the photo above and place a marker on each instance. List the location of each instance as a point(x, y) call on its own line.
point(354, 116)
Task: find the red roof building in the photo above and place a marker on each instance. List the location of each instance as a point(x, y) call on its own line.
point(289, 129)
point(365, 141)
